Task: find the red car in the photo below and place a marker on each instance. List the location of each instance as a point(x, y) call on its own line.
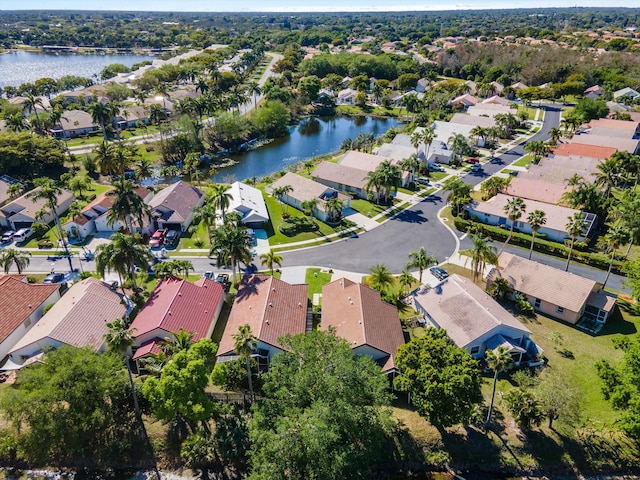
point(472, 160)
point(157, 238)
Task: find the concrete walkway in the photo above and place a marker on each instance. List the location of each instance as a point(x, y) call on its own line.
point(294, 275)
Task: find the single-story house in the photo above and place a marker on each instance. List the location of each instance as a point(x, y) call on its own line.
point(622, 144)
point(78, 319)
point(497, 87)
point(172, 207)
point(532, 189)
point(626, 92)
point(423, 85)
point(550, 171)
point(437, 152)
point(608, 126)
point(397, 153)
point(369, 162)
point(492, 212)
point(474, 320)
point(496, 100)
point(341, 178)
point(554, 292)
point(248, 202)
point(490, 109)
point(23, 211)
point(305, 189)
point(358, 314)
point(19, 100)
point(444, 131)
point(473, 87)
point(465, 100)
point(21, 306)
point(583, 150)
point(346, 97)
point(74, 123)
point(519, 86)
point(593, 92)
point(173, 305)
point(130, 115)
point(272, 308)
point(473, 120)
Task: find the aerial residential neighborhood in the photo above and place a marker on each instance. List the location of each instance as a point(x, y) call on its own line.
point(383, 245)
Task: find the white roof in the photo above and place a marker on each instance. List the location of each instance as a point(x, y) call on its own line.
point(249, 202)
point(444, 130)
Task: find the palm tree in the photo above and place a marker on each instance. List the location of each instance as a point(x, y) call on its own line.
point(270, 259)
point(514, 209)
point(119, 339)
point(500, 288)
point(386, 178)
point(334, 207)
point(13, 256)
point(16, 122)
point(230, 243)
point(127, 205)
point(104, 155)
point(420, 260)
point(244, 343)
point(176, 342)
point(380, 277)
point(536, 220)
point(574, 229)
point(537, 148)
point(482, 253)
point(255, 91)
point(609, 175)
point(428, 136)
point(103, 114)
point(416, 138)
point(459, 146)
point(206, 213)
point(459, 193)
point(309, 205)
point(143, 169)
point(31, 104)
point(616, 235)
point(122, 255)
point(49, 191)
point(280, 193)
point(220, 197)
point(406, 279)
point(555, 134)
point(411, 164)
point(498, 360)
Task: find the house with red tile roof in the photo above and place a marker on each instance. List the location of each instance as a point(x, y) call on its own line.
point(582, 150)
point(532, 189)
point(21, 306)
point(272, 308)
point(78, 319)
point(173, 305)
point(358, 314)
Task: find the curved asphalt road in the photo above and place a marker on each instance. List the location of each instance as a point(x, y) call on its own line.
point(415, 227)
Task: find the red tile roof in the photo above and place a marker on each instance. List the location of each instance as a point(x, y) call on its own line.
point(150, 347)
point(361, 317)
point(18, 300)
point(583, 150)
point(176, 304)
point(271, 307)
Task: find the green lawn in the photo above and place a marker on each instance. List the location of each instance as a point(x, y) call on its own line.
point(367, 208)
point(188, 240)
point(437, 176)
point(524, 161)
point(315, 278)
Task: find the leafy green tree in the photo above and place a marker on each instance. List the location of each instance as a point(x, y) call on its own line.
point(536, 220)
point(272, 119)
point(443, 380)
point(310, 87)
point(459, 193)
point(179, 392)
point(420, 260)
point(13, 256)
point(558, 398)
point(524, 407)
point(498, 360)
point(322, 406)
point(73, 409)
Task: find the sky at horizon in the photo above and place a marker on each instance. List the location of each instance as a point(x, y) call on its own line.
point(303, 5)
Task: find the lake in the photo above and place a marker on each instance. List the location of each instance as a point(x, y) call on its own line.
point(18, 67)
point(311, 137)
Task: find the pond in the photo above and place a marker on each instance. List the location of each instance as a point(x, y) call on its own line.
point(311, 137)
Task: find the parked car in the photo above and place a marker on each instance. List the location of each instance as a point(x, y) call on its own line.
point(223, 278)
point(157, 238)
point(54, 278)
point(209, 274)
point(422, 180)
point(171, 239)
point(7, 236)
point(439, 273)
point(476, 167)
point(21, 235)
point(435, 167)
point(251, 268)
point(513, 173)
point(472, 160)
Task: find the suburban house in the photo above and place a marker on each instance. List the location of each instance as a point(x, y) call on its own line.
point(437, 152)
point(497, 87)
point(23, 211)
point(593, 92)
point(173, 305)
point(346, 97)
point(358, 314)
point(248, 202)
point(341, 178)
point(74, 123)
point(582, 150)
point(539, 190)
point(172, 207)
point(423, 85)
point(305, 189)
point(130, 115)
point(560, 168)
point(5, 183)
point(369, 162)
point(93, 217)
point(519, 86)
point(272, 308)
point(622, 144)
point(464, 101)
point(397, 153)
point(492, 212)
point(21, 306)
point(490, 109)
point(78, 319)
point(559, 294)
point(20, 100)
point(616, 128)
point(445, 130)
point(474, 320)
point(473, 120)
point(496, 100)
point(627, 93)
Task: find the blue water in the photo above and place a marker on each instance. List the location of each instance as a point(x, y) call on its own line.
point(311, 137)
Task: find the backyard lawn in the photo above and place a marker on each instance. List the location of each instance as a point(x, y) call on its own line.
point(367, 208)
point(316, 278)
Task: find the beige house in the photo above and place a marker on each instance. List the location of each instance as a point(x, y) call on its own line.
point(74, 123)
point(172, 207)
point(25, 211)
point(559, 294)
point(341, 178)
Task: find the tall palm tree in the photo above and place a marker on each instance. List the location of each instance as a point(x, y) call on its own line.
point(220, 197)
point(459, 193)
point(280, 193)
point(255, 91)
point(270, 259)
point(616, 235)
point(609, 175)
point(537, 148)
point(406, 279)
point(555, 134)
point(459, 146)
point(127, 205)
point(428, 136)
point(411, 165)
point(13, 256)
point(415, 139)
point(536, 220)
point(380, 277)
point(143, 169)
point(482, 253)
point(16, 122)
point(334, 207)
point(244, 343)
point(122, 255)
point(31, 103)
point(514, 209)
point(420, 260)
point(49, 191)
point(104, 155)
point(574, 229)
point(498, 360)
point(119, 339)
point(230, 244)
point(103, 113)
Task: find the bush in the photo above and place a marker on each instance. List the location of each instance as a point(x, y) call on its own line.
point(295, 225)
point(523, 305)
point(46, 243)
point(39, 229)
